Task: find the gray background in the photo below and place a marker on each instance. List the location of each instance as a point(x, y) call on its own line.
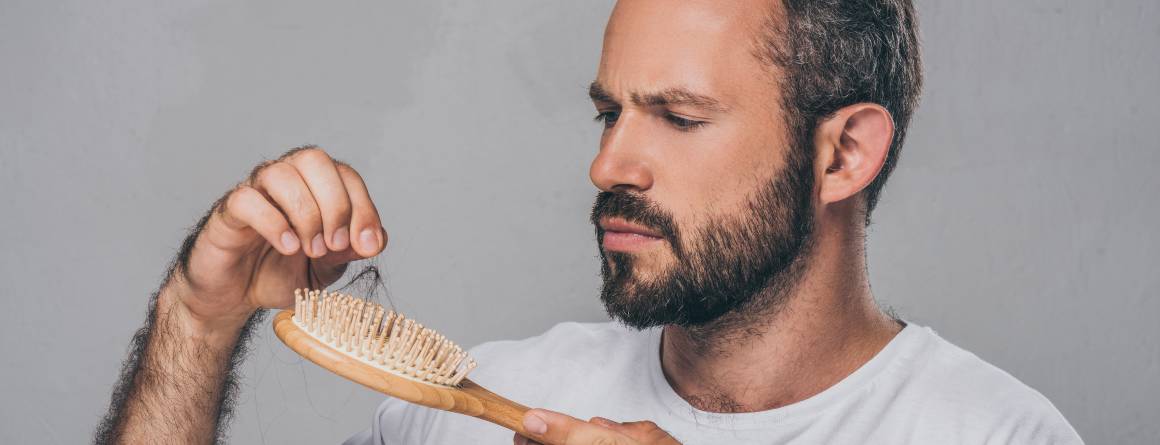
point(1017, 223)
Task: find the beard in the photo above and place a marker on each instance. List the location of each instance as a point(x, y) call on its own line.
point(730, 268)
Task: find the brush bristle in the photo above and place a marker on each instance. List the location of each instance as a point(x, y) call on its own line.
point(383, 339)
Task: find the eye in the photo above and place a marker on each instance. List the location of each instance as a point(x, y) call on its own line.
point(682, 123)
point(608, 117)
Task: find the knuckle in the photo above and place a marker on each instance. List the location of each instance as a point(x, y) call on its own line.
point(232, 206)
point(269, 171)
point(257, 171)
point(314, 156)
point(232, 198)
point(308, 153)
point(346, 169)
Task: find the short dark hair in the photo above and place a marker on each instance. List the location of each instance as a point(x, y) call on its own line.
point(834, 53)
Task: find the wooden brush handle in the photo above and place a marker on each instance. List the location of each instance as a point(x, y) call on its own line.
point(469, 398)
point(492, 407)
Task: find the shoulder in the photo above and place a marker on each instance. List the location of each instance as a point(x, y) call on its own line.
point(971, 396)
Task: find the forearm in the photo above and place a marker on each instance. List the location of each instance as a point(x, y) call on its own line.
point(178, 383)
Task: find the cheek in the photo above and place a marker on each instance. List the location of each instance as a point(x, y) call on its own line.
point(708, 175)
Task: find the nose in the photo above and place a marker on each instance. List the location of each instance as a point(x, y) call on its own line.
point(621, 164)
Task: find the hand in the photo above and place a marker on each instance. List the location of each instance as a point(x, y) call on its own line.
point(552, 428)
point(304, 213)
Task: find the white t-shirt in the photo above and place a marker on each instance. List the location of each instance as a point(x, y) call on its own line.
point(920, 389)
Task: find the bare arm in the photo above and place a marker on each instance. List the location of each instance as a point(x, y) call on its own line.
point(178, 383)
point(180, 380)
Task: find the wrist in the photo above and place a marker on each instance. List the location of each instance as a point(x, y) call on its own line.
point(219, 329)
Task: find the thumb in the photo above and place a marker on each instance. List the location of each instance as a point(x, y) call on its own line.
point(552, 428)
point(643, 431)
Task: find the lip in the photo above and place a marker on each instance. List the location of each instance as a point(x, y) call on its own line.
point(621, 235)
point(623, 226)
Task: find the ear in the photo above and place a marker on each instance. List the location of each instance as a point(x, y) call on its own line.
point(852, 147)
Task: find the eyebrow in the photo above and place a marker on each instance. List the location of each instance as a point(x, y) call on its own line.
point(598, 93)
point(670, 96)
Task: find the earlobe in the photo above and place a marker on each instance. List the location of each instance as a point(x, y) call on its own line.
point(854, 144)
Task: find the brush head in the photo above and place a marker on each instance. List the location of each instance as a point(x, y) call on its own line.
point(383, 339)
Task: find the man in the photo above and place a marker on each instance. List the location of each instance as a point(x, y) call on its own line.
point(745, 145)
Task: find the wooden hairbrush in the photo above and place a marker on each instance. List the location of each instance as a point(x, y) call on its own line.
point(391, 354)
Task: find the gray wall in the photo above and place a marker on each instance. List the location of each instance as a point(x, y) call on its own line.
point(1017, 223)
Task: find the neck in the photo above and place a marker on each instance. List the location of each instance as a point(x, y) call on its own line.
point(821, 330)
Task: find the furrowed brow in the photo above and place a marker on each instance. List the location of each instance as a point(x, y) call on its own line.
point(678, 96)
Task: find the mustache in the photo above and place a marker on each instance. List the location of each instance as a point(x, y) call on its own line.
point(634, 208)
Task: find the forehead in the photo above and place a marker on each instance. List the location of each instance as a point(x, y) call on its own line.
point(702, 45)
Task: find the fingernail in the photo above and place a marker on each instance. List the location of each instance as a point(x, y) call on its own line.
point(368, 239)
point(317, 246)
point(289, 241)
point(341, 238)
point(534, 424)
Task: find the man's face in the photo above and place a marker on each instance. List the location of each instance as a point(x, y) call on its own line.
point(702, 204)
